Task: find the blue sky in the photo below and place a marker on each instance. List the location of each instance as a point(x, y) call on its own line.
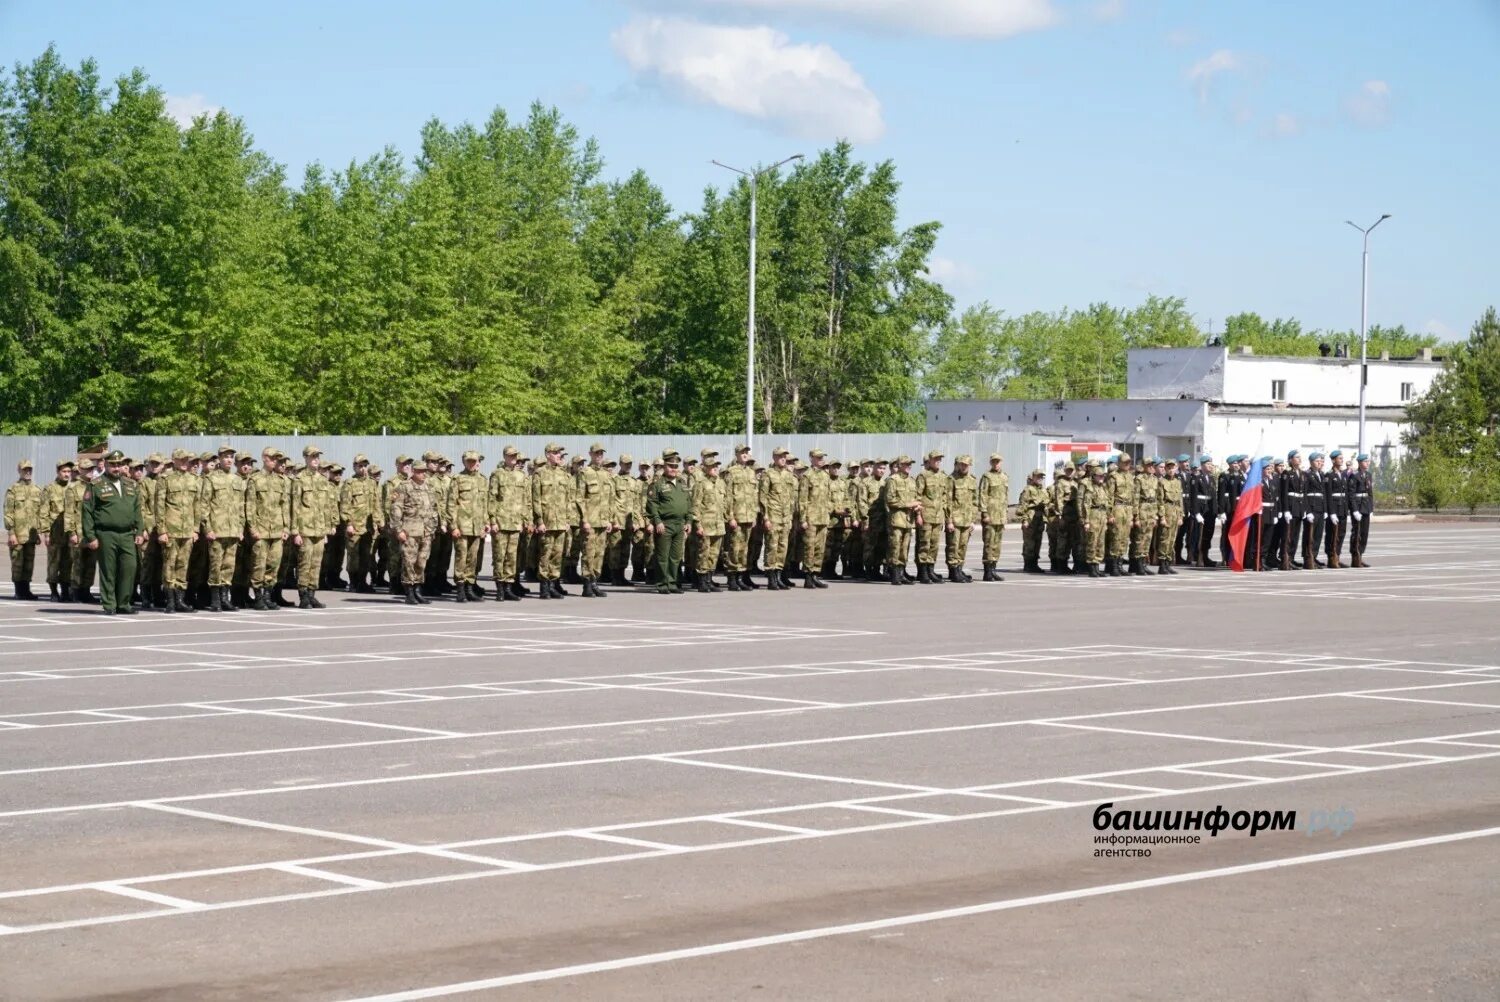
point(1075, 150)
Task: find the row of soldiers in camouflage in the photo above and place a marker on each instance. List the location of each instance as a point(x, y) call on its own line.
point(1103, 514)
point(218, 533)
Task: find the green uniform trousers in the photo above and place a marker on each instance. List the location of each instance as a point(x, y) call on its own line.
point(310, 561)
point(669, 547)
point(116, 556)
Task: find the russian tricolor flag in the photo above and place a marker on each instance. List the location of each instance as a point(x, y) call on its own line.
point(1246, 508)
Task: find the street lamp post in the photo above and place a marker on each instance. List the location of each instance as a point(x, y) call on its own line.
point(1364, 308)
point(754, 176)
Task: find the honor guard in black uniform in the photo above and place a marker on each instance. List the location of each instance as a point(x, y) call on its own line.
point(1336, 497)
point(1361, 507)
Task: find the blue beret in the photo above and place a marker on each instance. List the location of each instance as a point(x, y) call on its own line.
point(1315, 455)
point(1336, 453)
point(1361, 457)
point(1183, 458)
point(1293, 453)
point(1205, 459)
point(1237, 457)
point(1266, 459)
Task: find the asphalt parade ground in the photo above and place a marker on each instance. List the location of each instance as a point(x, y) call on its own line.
point(865, 792)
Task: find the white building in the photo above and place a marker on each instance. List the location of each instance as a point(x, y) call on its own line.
point(1217, 401)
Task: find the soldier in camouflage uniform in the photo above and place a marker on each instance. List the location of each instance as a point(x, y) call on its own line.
point(643, 560)
point(777, 497)
point(873, 527)
point(630, 514)
point(148, 567)
point(54, 537)
point(313, 501)
point(23, 522)
point(553, 503)
point(838, 520)
point(903, 512)
point(388, 540)
point(994, 507)
point(440, 546)
point(1095, 504)
point(1169, 516)
point(224, 524)
point(361, 519)
point(709, 516)
point(413, 520)
point(468, 519)
point(742, 501)
point(176, 518)
point(932, 490)
point(269, 514)
point(596, 511)
point(815, 507)
point(962, 512)
point(854, 536)
point(80, 556)
point(510, 522)
point(1032, 510)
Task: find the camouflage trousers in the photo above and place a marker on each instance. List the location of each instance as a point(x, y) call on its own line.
point(310, 561)
point(23, 559)
point(956, 544)
point(1031, 541)
point(814, 545)
point(505, 549)
point(777, 538)
point(265, 562)
point(645, 553)
point(708, 552)
point(1095, 537)
point(595, 542)
point(552, 546)
point(854, 549)
point(994, 535)
point(83, 560)
point(1166, 537)
point(176, 552)
point(898, 545)
point(59, 570)
point(221, 556)
point(737, 548)
point(468, 554)
point(1140, 538)
point(414, 554)
point(929, 538)
point(359, 554)
point(1120, 531)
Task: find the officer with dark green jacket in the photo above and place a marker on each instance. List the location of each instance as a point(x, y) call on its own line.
point(113, 526)
point(669, 502)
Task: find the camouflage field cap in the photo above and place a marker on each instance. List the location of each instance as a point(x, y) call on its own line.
point(595, 448)
point(626, 459)
point(226, 447)
point(24, 464)
point(474, 455)
point(84, 465)
point(181, 454)
point(1038, 473)
point(712, 462)
point(402, 459)
point(995, 457)
point(309, 450)
point(511, 450)
point(741, 449)
point(903, 460)
point(553, 447)
point(205, 457)
point(817, 454)
point(935, 454)
point(781, 450)
point(360, 457)
point(375, 471)
point(62, 464)
point(707, 451)
point(1093, 464)
point(156, 457)
point(967, 460)
point(244, 457)
point(838, 463)
point(608, 463)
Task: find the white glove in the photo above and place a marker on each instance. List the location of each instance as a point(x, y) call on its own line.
point(1308, 517)
point(1286, 516)
point(1357, 516)
point(1219, 519)
point(1335, 519)
point(1199, 518)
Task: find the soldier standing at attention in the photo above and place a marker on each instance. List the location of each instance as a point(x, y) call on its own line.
point(815, 504)
point(239, 588)
point(269, 513)
point(1095, 502)
point(468, 525)
point(311, 500)
point(873, 521)
point(1032, 510)
point(1145, 505)
point(643, 560)
point(413, 518)
point(742, 497)
point(54, 535)
point(710, 505)
point(669, 504)
point(962, 512)
point(1171, 518)
point(1361, 507)
point(23, 517)
point(1315, 515)
point(359, 514)
point(932, 491)
point(175, 522)
point(1121, 484)
point(777, 498)
point(224, 522)
point(113, 526)
point(629, 517)
point(854, 543)
point(80, 557)
point(838, 510)
point(596, 508)
point(551, 505)
point(1336, 500)
point(510, 520)
point(903, 512)
point(148, 568)
point(388, 541)
point(994, 505)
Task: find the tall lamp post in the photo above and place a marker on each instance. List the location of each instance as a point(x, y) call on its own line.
point(754, 176)
point(1364, 308)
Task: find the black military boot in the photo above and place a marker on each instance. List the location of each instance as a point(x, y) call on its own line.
point(1095, 572)
point(421, 599)
point(462, 595)
point(748, 583)
point(215, 601)
point(410, 592)
point(809, 581)
point(304, 598)
point(52, 588)
point(732, 582)
point(956, 574)
point(818, 580)
point(183, 605)
point(998, 577)
point(989, 573)
point(169, 605)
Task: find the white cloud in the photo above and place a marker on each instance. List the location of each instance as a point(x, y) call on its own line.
point(183, 109)
point(946, 271)
point(956, 18)
point(1371, 107)
point(1109, 10)
point(1201, 73)
point(807, 90)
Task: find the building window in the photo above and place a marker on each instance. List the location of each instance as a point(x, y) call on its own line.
point(1406, 389)
point(1278, 389)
